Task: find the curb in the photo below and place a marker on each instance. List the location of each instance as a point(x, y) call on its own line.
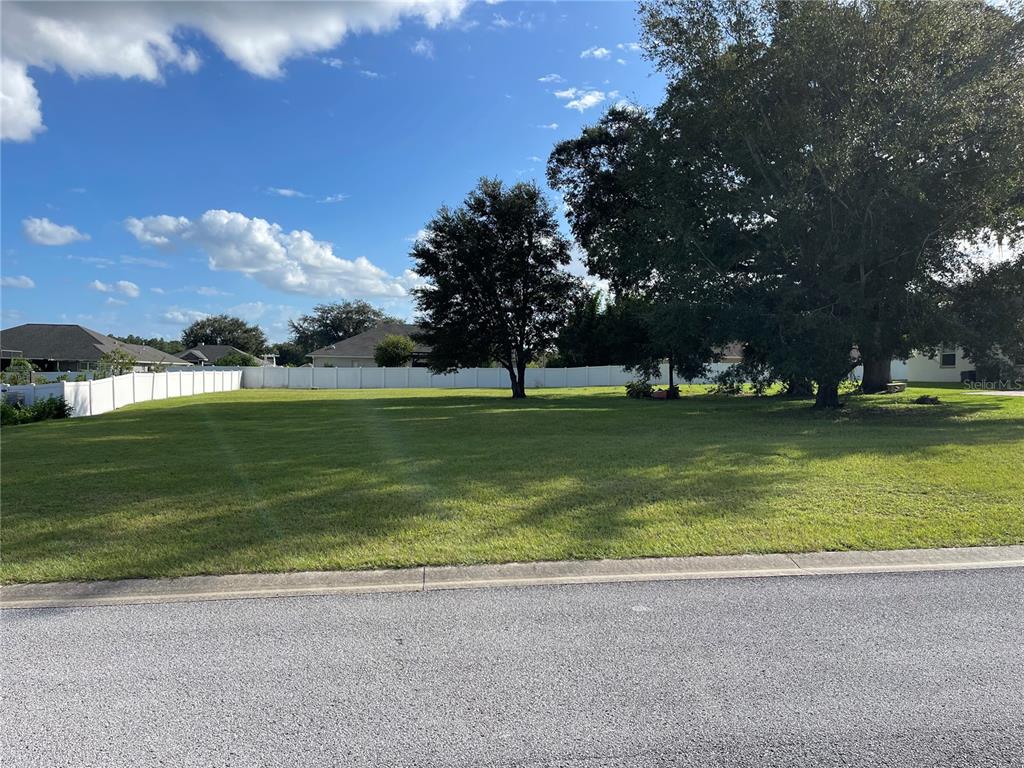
point(430, 578)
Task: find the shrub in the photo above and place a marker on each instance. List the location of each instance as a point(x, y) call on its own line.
point(239, 360)
point(42, 410)
point(393, 351)
point(639, 388)
point(11, 414)
point(19, 372)
point(672, 393)
point(50, 408)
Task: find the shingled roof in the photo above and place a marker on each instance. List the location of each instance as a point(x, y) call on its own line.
point(363, 344)
point(210, 353)
point(54, 341)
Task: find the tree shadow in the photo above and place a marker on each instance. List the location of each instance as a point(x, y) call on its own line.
point(232, 484)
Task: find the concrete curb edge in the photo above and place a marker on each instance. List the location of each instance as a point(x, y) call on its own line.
point(431, 578)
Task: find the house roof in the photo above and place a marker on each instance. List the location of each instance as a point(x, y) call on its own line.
point(210, 353)
point(52, 341)
point(363, 344)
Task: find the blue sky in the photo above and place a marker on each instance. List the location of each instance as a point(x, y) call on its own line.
point(257, 163)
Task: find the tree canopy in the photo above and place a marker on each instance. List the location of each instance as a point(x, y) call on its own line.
point(393, 351)
point(496, 285)
point(334, 322)
point(810, 176)
point(224, 329)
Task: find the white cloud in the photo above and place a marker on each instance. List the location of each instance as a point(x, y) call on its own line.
point(177, 316)
point(423, 47)
point(142, 261)
point(585, 100)
point(143, 40)
point(157, 230)
point(20, 115)
point(621, 61)
point(96, 261)
point(339, 198)
point(370, 74)
point(206, 290)
point(581, 100)
point(333, 62)
point(595, 53)
point(552, 78)
point(285, 192)
point(45, 232)
point(115, 302)
point(125, 287)
point(549, 126)
point(161, 291)
point(628, 46)
point(17, 281)
point(294, 261)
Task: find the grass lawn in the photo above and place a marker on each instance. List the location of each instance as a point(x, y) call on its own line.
point(278, 480)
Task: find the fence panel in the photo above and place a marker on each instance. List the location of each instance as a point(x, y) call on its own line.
point(76, 395)
point(101, 394)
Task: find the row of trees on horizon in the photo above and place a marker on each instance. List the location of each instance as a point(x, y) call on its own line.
point(807, 188)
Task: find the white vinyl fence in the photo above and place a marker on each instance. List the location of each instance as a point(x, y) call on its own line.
point(91, 398)
point(267, 377)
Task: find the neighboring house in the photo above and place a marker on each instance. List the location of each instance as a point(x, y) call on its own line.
point(357, 351)
point(53, 347)
point(210, 354)
point(947, 366)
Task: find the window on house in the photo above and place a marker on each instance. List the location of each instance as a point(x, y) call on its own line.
point(947, 358)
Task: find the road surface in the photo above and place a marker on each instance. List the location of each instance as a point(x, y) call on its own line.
point(880, 670)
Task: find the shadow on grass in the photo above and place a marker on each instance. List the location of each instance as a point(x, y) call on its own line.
point(222, 484)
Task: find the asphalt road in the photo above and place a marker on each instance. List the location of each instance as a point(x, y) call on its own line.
point(879, 670)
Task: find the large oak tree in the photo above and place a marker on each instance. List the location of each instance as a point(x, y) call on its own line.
point(496, 286)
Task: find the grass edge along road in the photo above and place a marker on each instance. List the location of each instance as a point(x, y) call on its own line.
point(284, 480)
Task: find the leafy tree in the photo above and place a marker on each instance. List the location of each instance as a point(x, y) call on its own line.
point(334, 322)
point(289, 354)
point(170, 346)
point(393, 351)
point(652, 218)
point(988, 312)
point(600, 332)
point(116, 362)
point(496, 286)
point(19, 371)
point(239, 360)
point(224, 329)
point(810, 173)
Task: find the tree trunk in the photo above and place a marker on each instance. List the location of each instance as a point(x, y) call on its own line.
point(517, 374)
point(828, 395)
point(877, 373)
point(799, 387)
point(671, 380)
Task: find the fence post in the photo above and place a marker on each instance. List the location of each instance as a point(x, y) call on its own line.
point(360, 377)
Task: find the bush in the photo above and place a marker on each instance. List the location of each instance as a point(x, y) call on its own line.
point(43, 410)
point(19, 372)
point(672, 393)
point(239, 360)
point(639, 388)
point(11, 414)
point(393, 351)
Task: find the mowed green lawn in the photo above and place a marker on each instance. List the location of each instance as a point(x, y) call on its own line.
point(278, 480)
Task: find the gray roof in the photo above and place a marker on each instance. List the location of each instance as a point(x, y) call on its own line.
point(211, 353)
point(46, 341)
point(363, 344)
